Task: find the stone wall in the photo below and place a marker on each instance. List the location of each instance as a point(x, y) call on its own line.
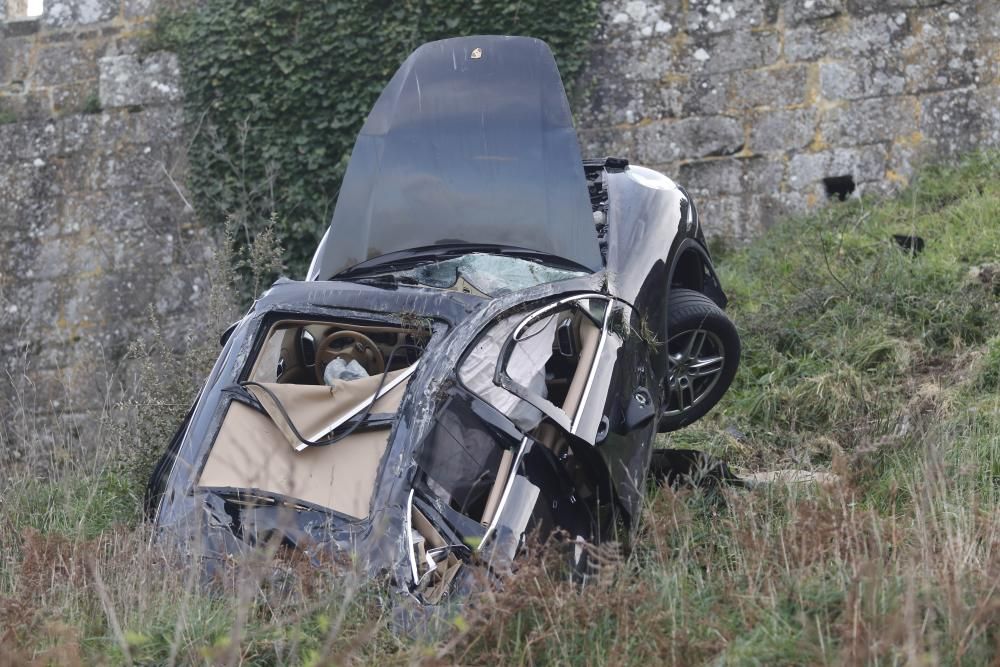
point(751, 104)
point(94, 229)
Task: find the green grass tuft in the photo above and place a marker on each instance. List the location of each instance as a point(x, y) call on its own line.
point(838, 320)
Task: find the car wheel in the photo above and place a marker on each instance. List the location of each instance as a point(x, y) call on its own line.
point(703, 353)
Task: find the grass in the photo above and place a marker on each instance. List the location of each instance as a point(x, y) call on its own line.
point(860, 358)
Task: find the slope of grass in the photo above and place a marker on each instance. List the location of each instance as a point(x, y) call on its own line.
point(841, 325)
point(861, 358)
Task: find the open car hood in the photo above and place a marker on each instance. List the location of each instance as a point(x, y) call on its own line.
point(470, 143)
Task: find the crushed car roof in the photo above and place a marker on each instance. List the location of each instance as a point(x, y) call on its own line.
point(471, 143)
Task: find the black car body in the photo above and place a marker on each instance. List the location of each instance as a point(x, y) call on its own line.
point(508, 306)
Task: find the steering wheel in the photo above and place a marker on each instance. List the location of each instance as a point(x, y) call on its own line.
point(361, 349)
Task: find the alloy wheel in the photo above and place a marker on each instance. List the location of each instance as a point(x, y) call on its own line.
point(695, 360)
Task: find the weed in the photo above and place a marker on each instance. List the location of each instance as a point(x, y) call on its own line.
point(92, 104)
point(168, 374)
point(876, 363)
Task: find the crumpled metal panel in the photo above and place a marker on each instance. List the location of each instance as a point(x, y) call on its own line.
point(471, 142)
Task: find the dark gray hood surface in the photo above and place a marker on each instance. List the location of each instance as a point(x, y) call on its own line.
point(471, 142)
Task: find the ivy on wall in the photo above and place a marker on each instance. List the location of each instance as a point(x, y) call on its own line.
point(277, 90)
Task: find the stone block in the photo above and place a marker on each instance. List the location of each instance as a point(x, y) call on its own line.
point(727, 217)
point(639, 19)
point(32, 139)
point(714, 16)
point(178, 294)
point(56, 36)
point(865, 163)
point(131, 44)
point(705, 95)
point(799, 11)
point(113, 125)
point(61, 13)
point(131, 81)
point(155, 132)
point(809, 41)
point(32, 105)
point(953, 120)
point(947, 52)
point(77, 132)
point(16, 8)
point(159, 210)
point(795, 202)
point(65, 64)
point(616, 103)
point(75, 98)
point(607, 100)
point(124, 296)
point(775, 87)
point(987, 98)
point(762, 174)
point(710, 178)
point(601, 142)
point(869, 6)
point(767, 209)
point(133, 166)
point(858, 38)
point(67, 256)
point(731, 51)
point(7, 131)
point(772, 131)
point(988, 14)
point(20, 27)
point(855, 79)
point(156, 125)
point(624, 60)
point(137, 251)
point(870, 121)
point(691, 138)
point(902, 163)
point(139, 9)
point(728, 176)
point(30, 191)
point(15, 60)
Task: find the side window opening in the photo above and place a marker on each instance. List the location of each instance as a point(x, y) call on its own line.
point(536, 368)
point(567, 338)
point(313, 382)
point(536, 365)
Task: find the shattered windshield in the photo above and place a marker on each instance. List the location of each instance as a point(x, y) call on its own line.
point(493, 275)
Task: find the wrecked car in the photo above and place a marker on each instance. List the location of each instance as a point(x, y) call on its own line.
point(491, 334)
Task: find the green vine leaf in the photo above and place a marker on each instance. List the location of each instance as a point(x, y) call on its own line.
point(276, 91)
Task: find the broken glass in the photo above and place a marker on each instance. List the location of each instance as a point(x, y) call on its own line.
point(493, 275)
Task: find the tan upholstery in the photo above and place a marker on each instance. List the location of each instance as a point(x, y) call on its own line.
point(423, 526)
point(496, 492)
point(251, 452)
point(313, 408)
point(590, 336)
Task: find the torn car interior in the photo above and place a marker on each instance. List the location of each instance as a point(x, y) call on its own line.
point(491, 334)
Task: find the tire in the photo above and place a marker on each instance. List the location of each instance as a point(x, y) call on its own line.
point(703, 354)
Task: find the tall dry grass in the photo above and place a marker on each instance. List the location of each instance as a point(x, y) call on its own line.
point(879, 367)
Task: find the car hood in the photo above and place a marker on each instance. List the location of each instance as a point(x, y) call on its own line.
point(470, 143)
